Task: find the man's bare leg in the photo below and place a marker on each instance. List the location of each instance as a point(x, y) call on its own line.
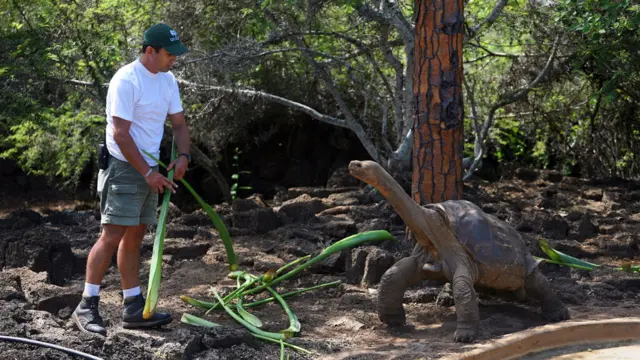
point(129, 256)
point(129, 266)
point(100, 255)
point(86, 315)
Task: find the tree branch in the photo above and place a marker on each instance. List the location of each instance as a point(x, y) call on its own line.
point(489, 20)
point(399, 69)
point(206, 162)
point(393, 18)
point(347, 124)
point(506, 100)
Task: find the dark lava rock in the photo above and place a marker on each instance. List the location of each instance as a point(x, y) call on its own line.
point(552, 176)
point(250, 203)
point(586, 229)
point(40, 249)
point(341, 178)
point(355, 264)
point(526, 174)
point(445, 296)
point(301, 209)
point(556, 228)
point(176, 231)
point(377, 262)
point(258, 220)
point(421, 296)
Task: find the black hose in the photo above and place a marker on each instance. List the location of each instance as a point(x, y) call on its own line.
point(44, 344)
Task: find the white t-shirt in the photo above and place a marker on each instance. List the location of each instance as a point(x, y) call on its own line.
point(144, 98)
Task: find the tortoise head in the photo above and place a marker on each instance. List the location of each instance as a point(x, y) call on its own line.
point(366, 171)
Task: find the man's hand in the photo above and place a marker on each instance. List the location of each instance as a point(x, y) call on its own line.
point(180, 165)
point(158, 183)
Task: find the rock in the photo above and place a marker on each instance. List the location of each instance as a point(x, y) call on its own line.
point(333, 264)
point(124, 345)
point(176, 231)
point(374, 224)
point(44, 296)
point(299, 247)
point(556, 228)
point(573, 248)
point(258, 220)
point(10, 287)
point(526, 174)
point(355, 264)
point(552, 176)
point(317, 192)
point(593, 194)
point(300, 209)
point(253, 202)
point(420, 296)
point(347, 198)
point(346, 323)
point(40, 249)
point(181, 248)
point(233, 231)
point(196, 218)
point(288, 232)
point(621, 245)
point(490, 208)
point(606, 291)
point(336, 228)
point(586, 229)
point(445, 296)
point(341, 178)
point(574, 216)
point(546, 203)
point(173, 213)
point(61, 218)
point(550, 192)
point(373, 194)
point(225, 337)
point(623, 281)
point(378, 261)
point(32, 217)
point(206, 233)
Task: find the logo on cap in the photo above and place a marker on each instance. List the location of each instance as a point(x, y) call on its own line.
point(174, 35)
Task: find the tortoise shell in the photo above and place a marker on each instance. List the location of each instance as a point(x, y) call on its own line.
point(500, 252)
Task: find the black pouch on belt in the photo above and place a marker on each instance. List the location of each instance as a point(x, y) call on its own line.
point(103, 156)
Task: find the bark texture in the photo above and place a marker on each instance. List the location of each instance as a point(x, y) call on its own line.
point(439, 112)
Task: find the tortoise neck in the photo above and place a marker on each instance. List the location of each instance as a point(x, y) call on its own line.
point(403, 204)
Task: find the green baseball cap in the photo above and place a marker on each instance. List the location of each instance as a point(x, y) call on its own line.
point(164, 36)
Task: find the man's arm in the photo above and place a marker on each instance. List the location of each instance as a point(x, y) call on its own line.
point(130, 151)
point(127, 146)
point(181, 135)
point(180, 132)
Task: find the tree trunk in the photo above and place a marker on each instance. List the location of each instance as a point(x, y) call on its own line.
point(438, 108)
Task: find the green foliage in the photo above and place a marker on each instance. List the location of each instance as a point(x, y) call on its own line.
point(235, 186)
point(54, 142)
point(48, 120)
point(607, 36)
point(584, 117)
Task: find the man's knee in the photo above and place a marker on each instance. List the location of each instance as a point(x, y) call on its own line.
point(112, 234)
point(134, 235)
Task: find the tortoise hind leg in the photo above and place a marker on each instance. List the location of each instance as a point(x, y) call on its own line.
point(537, 286)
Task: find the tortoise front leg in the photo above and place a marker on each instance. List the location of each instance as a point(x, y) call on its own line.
point(537, 286)
point(466, 302)
point(404, 273)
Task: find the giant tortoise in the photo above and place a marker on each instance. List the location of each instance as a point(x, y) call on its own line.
point(456, 241)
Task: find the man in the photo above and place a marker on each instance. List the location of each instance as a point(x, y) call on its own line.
point(140, 97)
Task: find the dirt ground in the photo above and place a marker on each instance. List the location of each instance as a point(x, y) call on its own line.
point(43, 252)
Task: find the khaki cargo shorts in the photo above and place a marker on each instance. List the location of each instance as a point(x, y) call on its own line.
point(125, 197)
